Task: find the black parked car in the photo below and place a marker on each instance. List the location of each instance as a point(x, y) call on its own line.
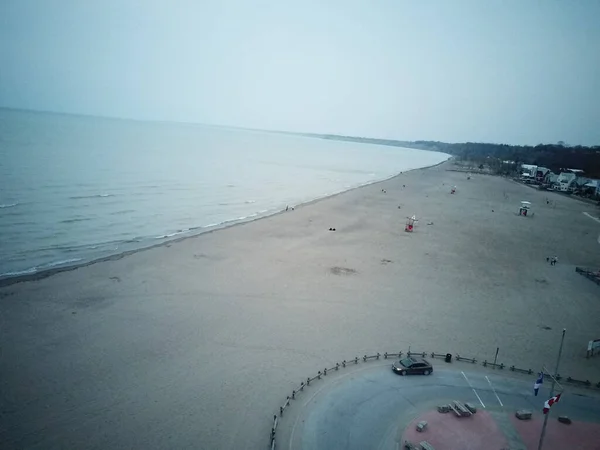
point(412, 366)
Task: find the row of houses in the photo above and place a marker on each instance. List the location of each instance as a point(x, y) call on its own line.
point(568, 180)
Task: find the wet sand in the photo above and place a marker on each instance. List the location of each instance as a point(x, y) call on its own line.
point(194, 344)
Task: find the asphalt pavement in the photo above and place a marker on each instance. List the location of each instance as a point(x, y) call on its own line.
point(370, 407)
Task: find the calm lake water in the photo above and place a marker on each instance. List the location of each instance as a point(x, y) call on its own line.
point(78, 188)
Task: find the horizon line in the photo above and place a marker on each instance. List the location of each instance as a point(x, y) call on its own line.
point(296, 133)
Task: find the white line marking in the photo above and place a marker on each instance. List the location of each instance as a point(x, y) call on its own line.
point(499, 401)
point(591, 217)
point(471, 386)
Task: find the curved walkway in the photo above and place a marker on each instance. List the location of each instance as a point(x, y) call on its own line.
point(369, 407)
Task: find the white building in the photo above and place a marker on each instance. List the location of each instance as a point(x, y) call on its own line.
point(528, 170)
point(566, 181)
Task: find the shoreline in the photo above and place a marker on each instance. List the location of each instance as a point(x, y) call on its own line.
point(46, 273)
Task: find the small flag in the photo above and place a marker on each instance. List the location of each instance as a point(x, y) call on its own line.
point(538, 383)
point(548, 404)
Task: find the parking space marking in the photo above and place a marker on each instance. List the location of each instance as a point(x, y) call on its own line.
point(471, 386)
point(591, 217)
point(494, 390)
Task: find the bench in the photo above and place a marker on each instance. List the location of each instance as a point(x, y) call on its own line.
point(426, 445)
point(460, 409)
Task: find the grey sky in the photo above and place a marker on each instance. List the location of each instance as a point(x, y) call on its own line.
point(499, 71)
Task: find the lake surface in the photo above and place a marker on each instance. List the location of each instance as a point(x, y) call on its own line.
point(74, 188)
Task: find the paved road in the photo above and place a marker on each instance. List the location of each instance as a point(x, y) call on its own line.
point(370, 407)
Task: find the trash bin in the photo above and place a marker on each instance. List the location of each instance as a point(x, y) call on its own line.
point(448, 357)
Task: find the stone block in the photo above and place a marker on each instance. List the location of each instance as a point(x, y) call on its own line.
point(523, 414)
point(443, 409)
point(421, 425)
point(564, 419)
point(471, 407)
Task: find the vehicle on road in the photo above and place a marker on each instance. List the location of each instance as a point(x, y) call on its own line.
point(412, 366)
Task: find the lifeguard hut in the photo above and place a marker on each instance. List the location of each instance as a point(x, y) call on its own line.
point(525, 209)
point(453, 190)
point(410, 224)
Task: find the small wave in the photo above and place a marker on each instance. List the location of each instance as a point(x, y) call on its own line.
point(164, 236)
point(250, 201)
point(237, 219)
point(8, 205)
point(35, 269)
point(58, 263)
point(81, 219)
point(79, 197)
point(19, 272)
point(125, 211)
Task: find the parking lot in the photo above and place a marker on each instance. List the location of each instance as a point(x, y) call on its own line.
point(370, 407)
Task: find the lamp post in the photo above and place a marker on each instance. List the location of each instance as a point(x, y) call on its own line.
point(562, 340)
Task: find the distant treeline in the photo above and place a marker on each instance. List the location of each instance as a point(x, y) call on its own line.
point(553, 156)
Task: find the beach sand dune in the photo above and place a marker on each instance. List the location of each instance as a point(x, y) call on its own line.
point(196, 343)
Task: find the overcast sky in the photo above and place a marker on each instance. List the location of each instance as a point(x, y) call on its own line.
point(496, 71)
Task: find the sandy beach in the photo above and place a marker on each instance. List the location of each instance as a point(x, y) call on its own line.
point(194, 344)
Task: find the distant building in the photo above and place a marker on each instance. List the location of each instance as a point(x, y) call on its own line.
point(540, 173)
point(566, 181)
point(550, 178)
point(528, 170)
point(588, 187)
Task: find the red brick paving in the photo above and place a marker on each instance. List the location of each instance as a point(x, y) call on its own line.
point(449, 432)
point(559, 436)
